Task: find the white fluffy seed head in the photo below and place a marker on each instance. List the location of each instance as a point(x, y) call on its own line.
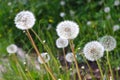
point(67, 29)
point(62, 14)
point(69, 57)
point(89, 23)
point(12, 49)
point(45, 56)
point(61, 43)
point(24, 20)
point(116, 27)
point(116, 3)
point(93, 50)
point(107, 9)
point(108, 42)
point(62, 3)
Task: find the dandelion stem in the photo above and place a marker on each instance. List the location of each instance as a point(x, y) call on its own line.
point(20, 70)
point(77, 68)
point(65, 59)
point(108, 61)
point(47, 49)
point(91, 71)
point(38, 53)
point(101, 72)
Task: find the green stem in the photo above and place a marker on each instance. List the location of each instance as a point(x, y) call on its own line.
point(47, 49)
point(108, 61)
point(76, 64)
point(65, 59)
point(91, 71)
point(19, 67)
point(101, 72)
point(38, 53)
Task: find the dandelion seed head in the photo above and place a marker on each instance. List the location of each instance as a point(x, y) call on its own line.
point(62, 14)
point(24, 20)
point(9, 3)
point(89, 23)
point(67, 29)
point(12, 48)
point(108, 42)
point(62, 3)
point(45, 56)
point(61, 43)
point(116, 3)
point(107, 9)
point(82, 67)
point(69, 57)
point(116, 27)
point(93, 50)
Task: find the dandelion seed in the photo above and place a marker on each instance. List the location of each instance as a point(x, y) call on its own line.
point(67, 29)
point(62, 14)
point(9, 3)
point(107, 9)
point(61, 43)
point(45, 56)
point(44, 41)
point(69, 57)
point(12, 48)
point(108, 42)
point(89, 23)
point(116, 3)
point(116, 27)
point(82, 67)
point(24, 63)
point(79, 48)
point(62, 3)
point(93, 50)
point(24, 20)
point(59, 79)
point(71, 69)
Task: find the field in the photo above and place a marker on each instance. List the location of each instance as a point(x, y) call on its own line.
point(89, 48)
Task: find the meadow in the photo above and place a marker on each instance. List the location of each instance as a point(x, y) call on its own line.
point(59, 39)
